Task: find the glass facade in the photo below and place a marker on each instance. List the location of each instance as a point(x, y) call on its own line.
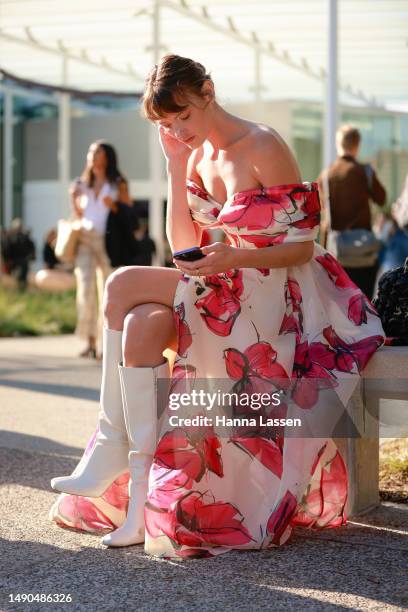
point(24, 109)
point(384, 142)
point(35, 139)
point(307, 138)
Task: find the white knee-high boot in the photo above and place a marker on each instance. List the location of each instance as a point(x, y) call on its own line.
point(108, 457)
point(139, 392)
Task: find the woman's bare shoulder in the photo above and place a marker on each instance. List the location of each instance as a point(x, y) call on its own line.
point(271, 157)
point(262, 137)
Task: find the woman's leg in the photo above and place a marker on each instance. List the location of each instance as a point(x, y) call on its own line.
point(148, 329)
point(108, 456)
point(103, 270)
point(134, 285)
point(85, 272)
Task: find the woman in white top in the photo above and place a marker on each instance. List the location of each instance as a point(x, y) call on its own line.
point(94, 197)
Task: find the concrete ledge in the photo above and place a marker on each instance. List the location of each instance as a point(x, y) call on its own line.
point(384, 377)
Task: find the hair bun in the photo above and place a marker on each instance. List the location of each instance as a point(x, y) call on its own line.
point(168, 85)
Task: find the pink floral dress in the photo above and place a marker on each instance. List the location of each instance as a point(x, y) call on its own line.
point(209, 493)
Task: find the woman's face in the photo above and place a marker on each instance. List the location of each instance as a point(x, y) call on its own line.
point(193, 124)
point(96, 159)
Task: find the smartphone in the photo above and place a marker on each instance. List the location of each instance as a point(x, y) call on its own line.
point(189, 254)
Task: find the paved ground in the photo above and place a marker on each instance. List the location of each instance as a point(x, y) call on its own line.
point(48, 407)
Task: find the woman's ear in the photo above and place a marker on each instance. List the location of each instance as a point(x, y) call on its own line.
point(207, 90)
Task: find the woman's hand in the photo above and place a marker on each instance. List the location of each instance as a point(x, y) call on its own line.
point(109, 203)
point(219, 257)
point(123, 194)
point(173, 149)
point(75, 190)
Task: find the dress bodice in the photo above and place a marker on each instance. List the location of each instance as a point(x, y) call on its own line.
point(260, 217)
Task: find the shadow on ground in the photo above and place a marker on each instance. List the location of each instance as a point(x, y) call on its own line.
point(358, 567)
point(63, 390)
point(35, 470)
point(304, 575)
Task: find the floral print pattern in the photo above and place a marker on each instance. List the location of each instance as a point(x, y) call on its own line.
point(307, 326)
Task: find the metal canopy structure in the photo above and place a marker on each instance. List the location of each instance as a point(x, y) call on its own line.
point(348, 51)
point(110, 42)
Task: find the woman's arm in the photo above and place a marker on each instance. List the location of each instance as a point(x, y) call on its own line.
point(221, 257)
point(75, 194)
point(278, 256)
point(181, 231)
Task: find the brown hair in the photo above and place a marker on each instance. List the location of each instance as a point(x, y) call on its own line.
point(169, 83)
point(113, 174)
point(348, 137)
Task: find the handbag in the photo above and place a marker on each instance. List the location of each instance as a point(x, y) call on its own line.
point(68, 233)
point(354, 248)
point(391, 303)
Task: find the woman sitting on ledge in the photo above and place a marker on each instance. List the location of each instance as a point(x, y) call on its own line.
point(268, 305)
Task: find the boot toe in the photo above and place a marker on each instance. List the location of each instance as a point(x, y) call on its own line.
point(78, 486)
point(56, 483)
point(115, 539)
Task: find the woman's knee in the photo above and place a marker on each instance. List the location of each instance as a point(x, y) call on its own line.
point(114, 294)
point(148, 330)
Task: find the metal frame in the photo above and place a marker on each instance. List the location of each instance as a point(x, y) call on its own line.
point(268, 48)
point(64, 139)
point(331, 108)
point(155, 157)
point(63, 52)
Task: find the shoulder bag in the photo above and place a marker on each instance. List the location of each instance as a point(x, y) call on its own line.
point(354, 248)
point(68, 233)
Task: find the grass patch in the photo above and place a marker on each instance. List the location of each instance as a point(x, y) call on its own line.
point(394, 469)
point(35, 313)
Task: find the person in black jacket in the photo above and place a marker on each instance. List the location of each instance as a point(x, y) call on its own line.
point(145, 246)
point(120, 238)
point(18, 251)
point(49, 257)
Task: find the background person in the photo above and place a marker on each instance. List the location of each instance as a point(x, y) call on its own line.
point(50, 259)
point(18, 252)
point(56, 276)
point(392, 229)
point(94, 197)
point(145, 247)
point(351, 185)
point(397, 248)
